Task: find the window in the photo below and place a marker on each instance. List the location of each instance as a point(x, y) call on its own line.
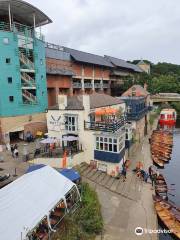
point(8, 60)
point(6, 40)
point(41, 77)
point(11, 98)
point(41, 61)
point(107, 144)
point(71, 123)
point(9, 79)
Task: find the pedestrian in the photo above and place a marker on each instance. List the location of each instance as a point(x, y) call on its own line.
point(12, 150)
point(153, 178)
point(16, 153)
point(124, 173)
point(150, 171)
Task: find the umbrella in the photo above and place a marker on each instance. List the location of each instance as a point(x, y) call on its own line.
point(70, 138)
point(48, 140)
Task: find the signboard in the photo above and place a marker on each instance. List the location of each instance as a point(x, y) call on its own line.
point(54, 123)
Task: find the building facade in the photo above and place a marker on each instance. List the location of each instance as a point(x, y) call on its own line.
point(74, 72)
point(97, 120)
point(23, 90)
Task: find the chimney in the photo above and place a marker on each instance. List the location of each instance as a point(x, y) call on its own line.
point(62, 101)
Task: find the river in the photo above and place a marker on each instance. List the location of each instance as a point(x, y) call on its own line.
point(172, 174)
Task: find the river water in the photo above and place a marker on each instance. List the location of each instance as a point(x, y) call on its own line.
point(172, 174)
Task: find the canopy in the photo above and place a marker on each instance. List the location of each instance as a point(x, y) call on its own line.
point(48, 140)
point(70, 174)
point(70, 138)
point(106, 111)
point(25, 202)
point(34, 167)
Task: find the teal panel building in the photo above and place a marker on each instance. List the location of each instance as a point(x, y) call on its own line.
point(23, 89)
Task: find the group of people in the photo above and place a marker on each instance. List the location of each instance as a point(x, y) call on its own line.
point(14, 150)
point(152, 173)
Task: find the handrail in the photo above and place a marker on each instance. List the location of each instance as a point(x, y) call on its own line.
point(29, 95)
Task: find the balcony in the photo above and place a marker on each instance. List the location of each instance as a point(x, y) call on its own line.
point(97, 85)
point(88, 85)
point(105, 85)
point(135, 116)
point(105, 126)
point(77, 85)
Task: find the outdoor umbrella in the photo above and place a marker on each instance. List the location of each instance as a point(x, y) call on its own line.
point(48, 140)
point(70, 138)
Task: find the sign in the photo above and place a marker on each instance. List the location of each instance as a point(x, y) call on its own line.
point(54, 123)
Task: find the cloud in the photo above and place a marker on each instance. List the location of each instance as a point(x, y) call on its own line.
point(126, 29)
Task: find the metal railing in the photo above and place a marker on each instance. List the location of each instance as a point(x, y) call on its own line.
point(26, 61)
point(28, 80)
point(105, 85)
point(137, 115)
point(87, 85)
point(77, 85)
point(97, 85)
point(105, 126)
point(29, 96)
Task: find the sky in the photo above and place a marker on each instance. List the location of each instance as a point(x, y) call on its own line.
point(126, 29)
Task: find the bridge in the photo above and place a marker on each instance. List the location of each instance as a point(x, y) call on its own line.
point(165, 97)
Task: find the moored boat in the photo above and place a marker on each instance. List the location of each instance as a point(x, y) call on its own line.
point(169, 214)
point(168, 117)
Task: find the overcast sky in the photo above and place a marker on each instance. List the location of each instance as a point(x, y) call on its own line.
point(127, 29)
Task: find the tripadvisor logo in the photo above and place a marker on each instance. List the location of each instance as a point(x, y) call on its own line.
point(139, 231)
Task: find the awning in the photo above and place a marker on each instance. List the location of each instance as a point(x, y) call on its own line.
point(106, 111)
point(48, 140)
point(70, 174)
point(27, 200)
point(18, 129)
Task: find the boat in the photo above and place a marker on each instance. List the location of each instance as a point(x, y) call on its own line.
point(169, 214)
point(161, 187)
point(168, 117)
point(158, 162)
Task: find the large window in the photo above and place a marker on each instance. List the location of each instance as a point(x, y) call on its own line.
point(71, 123)
point(106, 144)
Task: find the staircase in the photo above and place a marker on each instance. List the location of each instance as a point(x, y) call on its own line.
point(29, 96)
point(26, 61)
point(28, 80)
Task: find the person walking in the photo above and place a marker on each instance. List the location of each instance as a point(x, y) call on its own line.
point(124, 173)
point(153, 179)
point(12, 150)
point(16, 153)
point(150, 171)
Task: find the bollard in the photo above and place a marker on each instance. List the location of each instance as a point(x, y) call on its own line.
point(15, 175)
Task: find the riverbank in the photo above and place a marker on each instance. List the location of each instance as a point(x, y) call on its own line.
point(125, 205)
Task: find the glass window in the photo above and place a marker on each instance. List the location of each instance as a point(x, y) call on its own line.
point(9, 79)
point(101, 146)
point(114, 140)
point(97, 138)
point(110, 140)
point(105, 139)
point(105, 147)
point(41, 61)
point(97, 145)
point(110, 147)
point(8, 60)
point(115, 148)
point(71, 123)
point(11, 98)
point(6, 40)
point(101, 139)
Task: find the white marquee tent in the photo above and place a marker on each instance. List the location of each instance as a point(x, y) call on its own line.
point(27, 200)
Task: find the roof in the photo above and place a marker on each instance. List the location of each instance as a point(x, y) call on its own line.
point(23, 12)
point(75, 103)
point(141, 62)
point(24, 202)
point(59, 71)
point(98, 100)
point(70, 174)
point(88, 57)
point(123, 64)
point(56, 52)
point(138, 90)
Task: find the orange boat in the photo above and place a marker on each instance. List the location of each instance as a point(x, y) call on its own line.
point(168, 117)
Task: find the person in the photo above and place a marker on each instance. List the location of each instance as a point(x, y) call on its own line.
point(16, 153)
point(124, 173)
point(150, 171)
point(153, 178)
point(144, 175)
point(12, 150)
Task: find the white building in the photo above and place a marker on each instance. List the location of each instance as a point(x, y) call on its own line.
point(98, 122)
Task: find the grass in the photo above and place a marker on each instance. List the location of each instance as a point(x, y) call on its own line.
point(86, 222)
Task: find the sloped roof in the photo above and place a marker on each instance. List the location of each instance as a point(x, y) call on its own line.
point(59, 71)
point(98, 100)
point(23, 12)
point(27, 200)
point(75, 103)
point(56, 52)
point(123, 64)
point(138, 90)
point(88, 57)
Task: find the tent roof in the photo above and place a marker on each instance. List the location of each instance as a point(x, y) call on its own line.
point(24, 202)
point(70, 174)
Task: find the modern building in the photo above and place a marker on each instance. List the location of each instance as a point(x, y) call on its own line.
point(97, 120)
point(23, 89)
point(74, 72)
point(137, 101)
point(121, 72)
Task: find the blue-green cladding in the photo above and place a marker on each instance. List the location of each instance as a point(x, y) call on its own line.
point(11, 71)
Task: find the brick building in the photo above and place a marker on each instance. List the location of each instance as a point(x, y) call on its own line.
point(74, 72)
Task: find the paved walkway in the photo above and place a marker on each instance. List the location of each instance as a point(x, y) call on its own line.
point(125, 205)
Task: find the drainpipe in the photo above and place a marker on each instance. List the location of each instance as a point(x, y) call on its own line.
point(10, 22)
